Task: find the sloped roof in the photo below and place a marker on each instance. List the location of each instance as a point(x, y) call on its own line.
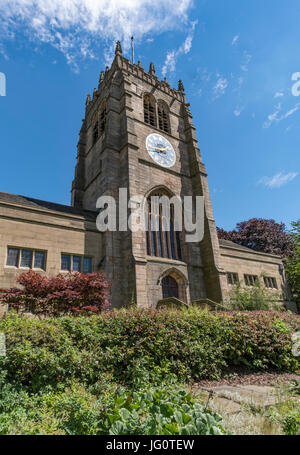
point(25, 201)
point(236, 246)
point(231, 244)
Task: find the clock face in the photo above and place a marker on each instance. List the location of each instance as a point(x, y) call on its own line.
point(160, 150)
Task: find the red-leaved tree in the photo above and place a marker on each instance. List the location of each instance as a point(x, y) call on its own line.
point(260, 234)
point(74, 293)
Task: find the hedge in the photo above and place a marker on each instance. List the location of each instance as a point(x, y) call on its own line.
point(188, 345)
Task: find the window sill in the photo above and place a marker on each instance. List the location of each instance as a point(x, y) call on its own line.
point(75, 271)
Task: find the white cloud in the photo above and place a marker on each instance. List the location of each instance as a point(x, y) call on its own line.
point(235, 39)
point(74, 26)
point(3, 52)
point(237, 112)
point(220, 86)
point(274, 118)
point(278, 180)
point(246, 60)
point(205, 75)
point(172, 56)
point(279, 94)
point(240, 81)
point(170, 62)
point(291, 112)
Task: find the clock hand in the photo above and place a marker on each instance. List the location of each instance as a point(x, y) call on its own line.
point(164, 149)
point(160, 151)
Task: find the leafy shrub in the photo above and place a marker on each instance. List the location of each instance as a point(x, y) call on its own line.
point(66, 410)
point(159, 411)
point(291, 423)
point(73, 293)
point(76, 410)
point(60, 375)
point(255, 298)
point(287, 415)
point(294, 387)
point(261, 339)
point(188, 345)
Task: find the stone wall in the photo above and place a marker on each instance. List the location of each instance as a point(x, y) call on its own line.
point(45, 230)
point(246, 261)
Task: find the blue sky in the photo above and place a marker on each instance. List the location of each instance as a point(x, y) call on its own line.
point(236, 60)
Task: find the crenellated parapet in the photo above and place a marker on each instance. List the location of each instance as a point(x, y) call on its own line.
point(127, 68)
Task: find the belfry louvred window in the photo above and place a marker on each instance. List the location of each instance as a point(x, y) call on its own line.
point(99, 122)
point(163, 240)
point(149, 110)
point(163, 117)
point(154, 114)
point(95, 133)
point(95, 127)
point(102, 118)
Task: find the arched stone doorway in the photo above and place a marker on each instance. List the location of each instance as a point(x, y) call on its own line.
point(173, 284)
point(169, 287)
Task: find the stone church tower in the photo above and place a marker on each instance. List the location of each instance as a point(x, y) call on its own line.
point(137, 135)
point(129, 105)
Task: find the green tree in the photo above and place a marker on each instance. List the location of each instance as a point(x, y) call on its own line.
point(292, 264)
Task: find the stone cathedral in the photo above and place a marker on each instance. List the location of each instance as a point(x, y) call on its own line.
point(138, 134)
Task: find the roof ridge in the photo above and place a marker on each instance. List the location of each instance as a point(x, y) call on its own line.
point(243, 247)
point(28, 201)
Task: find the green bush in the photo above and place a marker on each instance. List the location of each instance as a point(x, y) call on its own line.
point(159, 411)
point(188, 345)
point(294, 387)
point(287, 415)
point(115, 410)
point(105, 374)
point(255, 298)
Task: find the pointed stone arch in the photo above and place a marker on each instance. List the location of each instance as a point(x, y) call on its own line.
point(181, 281)
point(162, 188)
